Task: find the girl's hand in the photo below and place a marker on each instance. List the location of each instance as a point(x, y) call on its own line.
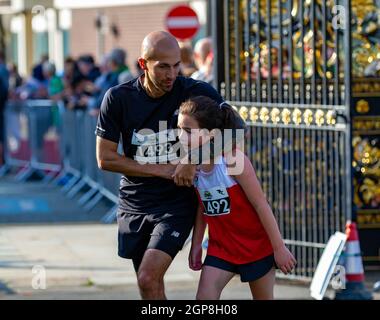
point(195, 257)
point(284, 259)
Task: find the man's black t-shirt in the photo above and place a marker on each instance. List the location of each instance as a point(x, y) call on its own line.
point(126, 110)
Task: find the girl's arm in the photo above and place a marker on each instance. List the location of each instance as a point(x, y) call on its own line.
point(250, 184)
point(195, 255)
point(199, 227)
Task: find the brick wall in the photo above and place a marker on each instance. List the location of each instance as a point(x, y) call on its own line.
point(134, 23)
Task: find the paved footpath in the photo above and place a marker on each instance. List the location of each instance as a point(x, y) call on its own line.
point(81, 263)
point(39, 226)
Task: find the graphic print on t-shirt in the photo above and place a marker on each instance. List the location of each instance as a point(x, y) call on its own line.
point(156, 147)
point(216, 201)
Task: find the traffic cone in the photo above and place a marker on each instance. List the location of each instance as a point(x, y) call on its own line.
point(354, 286)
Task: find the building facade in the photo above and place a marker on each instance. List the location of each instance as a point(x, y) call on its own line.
point(71, 28)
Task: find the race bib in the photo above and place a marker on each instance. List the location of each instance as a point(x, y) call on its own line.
point(159, 147)
point(216, 201)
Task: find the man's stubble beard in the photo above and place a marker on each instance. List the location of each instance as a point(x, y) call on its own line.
point(153, 87)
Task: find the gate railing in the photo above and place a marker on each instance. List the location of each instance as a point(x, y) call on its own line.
point(300, 157)
point(286, 67)
point(283, 51)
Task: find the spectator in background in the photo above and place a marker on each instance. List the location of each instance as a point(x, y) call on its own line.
point(118, 72)
point(4, 85)
point(104, 68)
point(115, 67)
point(79, 94)
point(119, 69)
point(54, 83)
point(204, 58)
point(37, 72)
point(70, 71)
point(104, 65)
point(187, 63)
point(4, 75)
point(125, 77)
point(100, 82)
point(15, 79)
point(88, 68)
point(31, 89)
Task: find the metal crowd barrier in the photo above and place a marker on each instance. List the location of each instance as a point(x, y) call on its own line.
point(44, 138)
point(32, 139)
point(16, 145)
point(80, 170)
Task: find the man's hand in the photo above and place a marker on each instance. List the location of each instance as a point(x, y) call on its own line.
point(184, 175)
point(166, 171)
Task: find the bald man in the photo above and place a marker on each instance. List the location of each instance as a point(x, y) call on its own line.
point(157, 202)
point(203, 58)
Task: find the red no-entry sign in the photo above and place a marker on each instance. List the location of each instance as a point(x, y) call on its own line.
point(182, 22)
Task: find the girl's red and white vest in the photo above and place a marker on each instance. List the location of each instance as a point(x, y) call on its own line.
point(236, 233)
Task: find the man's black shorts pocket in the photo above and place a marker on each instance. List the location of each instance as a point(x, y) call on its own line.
point(133, 236)
point(166, 232)
point(132, 245)
point(170, 233)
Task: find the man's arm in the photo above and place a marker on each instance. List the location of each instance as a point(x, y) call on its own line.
point(110, 160)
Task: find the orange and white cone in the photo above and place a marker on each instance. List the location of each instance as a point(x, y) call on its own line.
point(354, 289)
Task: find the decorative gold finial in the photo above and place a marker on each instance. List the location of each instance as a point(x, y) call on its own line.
point(264, 115)
point(286, 116)
point(275, 115)
point(319, 117)
point(362, 106)
point(254, 114)
point(297, 116)
point(244, 113)
point(331, 117)
point(308, 117)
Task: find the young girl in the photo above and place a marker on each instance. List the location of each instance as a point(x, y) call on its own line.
point(244, 237)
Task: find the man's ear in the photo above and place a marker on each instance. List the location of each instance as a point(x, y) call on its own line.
point(209, 59)
point(142, 63)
